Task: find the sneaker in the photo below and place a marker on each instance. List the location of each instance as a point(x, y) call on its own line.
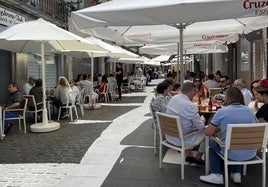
point(212, 178)
point(236, 177)
point(193, 160)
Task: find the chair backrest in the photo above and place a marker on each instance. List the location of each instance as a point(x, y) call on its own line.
point(111, 87)
point(24, 106)
point(31, 100)
point(87, 88)
point(213, 91)
point(71, 97)
point(246, 136)
point(105, 89)
point(151, 108)
point(81, 95)
point(169, 125)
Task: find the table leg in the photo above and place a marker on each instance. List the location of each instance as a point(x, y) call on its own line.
point(207, 155)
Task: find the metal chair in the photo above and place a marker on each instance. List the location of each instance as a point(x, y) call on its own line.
point(245, 136)
point(22, 113)
point(32, 106)
point(71, 98)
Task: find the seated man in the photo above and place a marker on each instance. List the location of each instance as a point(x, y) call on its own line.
point(14, 102)
point(181, 105)
point(88, 86)
point(28, 85)
point(242, 86)
point(234, 113)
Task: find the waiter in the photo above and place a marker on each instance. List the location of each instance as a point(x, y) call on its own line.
point(119, 79)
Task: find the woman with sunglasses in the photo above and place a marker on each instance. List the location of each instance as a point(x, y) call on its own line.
point(201, 91)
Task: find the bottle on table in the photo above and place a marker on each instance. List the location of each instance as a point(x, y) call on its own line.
point(210, 104)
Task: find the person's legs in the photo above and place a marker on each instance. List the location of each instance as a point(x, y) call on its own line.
point(215, 160)
point(10, 114)
point(119, 89)
point(216, 176)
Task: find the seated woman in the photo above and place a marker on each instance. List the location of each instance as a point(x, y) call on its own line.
point(161, 100)
point(254, 105)
point(103, 88)
point(177, 88)
point(201, 91)
point(60, 94)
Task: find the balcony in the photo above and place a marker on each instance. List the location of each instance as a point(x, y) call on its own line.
point(56, 11)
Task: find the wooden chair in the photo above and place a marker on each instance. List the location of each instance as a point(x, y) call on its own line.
point(170, 125)
point(245, 136)
point(21, 116)
point(33, 107)
point(71, 98)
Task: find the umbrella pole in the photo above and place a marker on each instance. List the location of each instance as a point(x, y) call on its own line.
point(92, 69)
point(45, 126)
point(180, 54)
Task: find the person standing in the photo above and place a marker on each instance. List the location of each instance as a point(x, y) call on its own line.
point(235, 112)
point(119, 79)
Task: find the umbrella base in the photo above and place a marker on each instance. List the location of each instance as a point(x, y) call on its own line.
point(40, 127)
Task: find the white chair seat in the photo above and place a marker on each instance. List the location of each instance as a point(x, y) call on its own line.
point(71, 98)
point(21, 116)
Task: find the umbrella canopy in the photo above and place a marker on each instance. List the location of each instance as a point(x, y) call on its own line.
point(219, 30)
point(190, 48)
point(112, 51)
point(173, 12)
point(140, 12)
point(37, 37)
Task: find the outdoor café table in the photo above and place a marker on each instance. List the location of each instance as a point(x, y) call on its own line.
point(203, 110)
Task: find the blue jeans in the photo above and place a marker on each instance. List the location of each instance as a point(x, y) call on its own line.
point(216, 163)
point(10, 114)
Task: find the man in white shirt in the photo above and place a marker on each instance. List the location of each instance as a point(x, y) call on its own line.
point(181, 105)
point(242, 86)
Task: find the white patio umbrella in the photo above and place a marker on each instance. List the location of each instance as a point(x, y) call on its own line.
point(190, 48)
point(37, 37)
point(221, 31)
point(112, 51)
point(140, 12)
point(174, 12)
